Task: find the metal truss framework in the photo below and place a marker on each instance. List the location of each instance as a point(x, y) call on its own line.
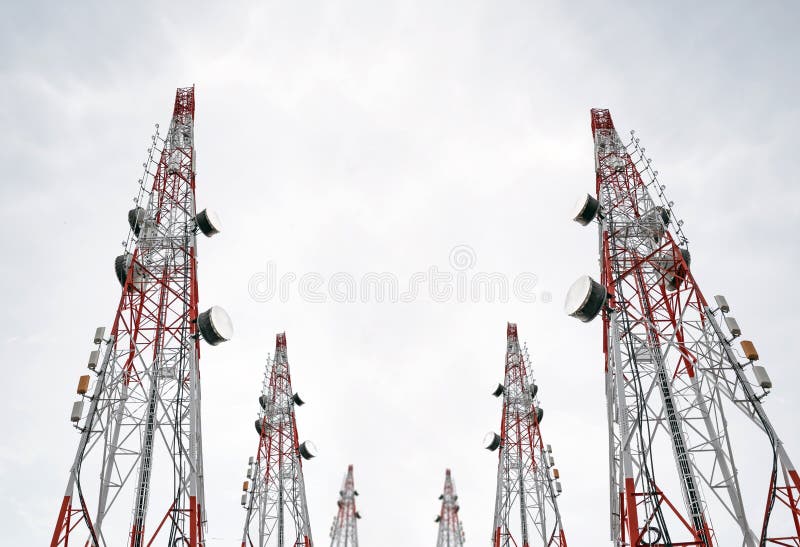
point(526, 508)
point(451, 532)
point(669, 368)
point(344, 530)
point(276, 507)
point(145, 406)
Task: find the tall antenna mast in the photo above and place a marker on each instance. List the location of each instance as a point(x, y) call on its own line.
point(139, 418)
point(275, 500)
point(670, 372)
point(344, 530)
point(526, 507)
point(451, 531)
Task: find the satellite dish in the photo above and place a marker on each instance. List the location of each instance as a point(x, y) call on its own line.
point(140, 280)
point(491, 441)
point(585, 299)
point(586, 209)
point(308, 450)
point(208, 222)
point(215, 325)
point(136, 219)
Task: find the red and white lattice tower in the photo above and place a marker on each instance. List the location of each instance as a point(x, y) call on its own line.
point(137, 476)
point(526, 507)
point(275, 493)
point(344, 530)
point(671, 372)
point(451, 532)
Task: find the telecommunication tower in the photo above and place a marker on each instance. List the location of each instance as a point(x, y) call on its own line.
point(671, 371)
point(451, 532)
point(275, 494)
point(526, 506)
point(344, 530)
point(140, 431)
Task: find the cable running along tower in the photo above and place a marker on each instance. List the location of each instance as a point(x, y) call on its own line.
point(275, 500)
point(140, 427)
point(671, 372)
point(526, 507)
point(451, 532)
point(344, 530)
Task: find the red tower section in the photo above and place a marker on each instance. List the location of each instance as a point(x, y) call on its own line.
point(671, 372)
point(141, 431)
point(451, 532)
point(344, 530)
point(275, 501)
point(526, 506)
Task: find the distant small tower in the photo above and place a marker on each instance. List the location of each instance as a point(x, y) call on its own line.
point(526, 507)
point(451, 532)
point(275, 494)
point(344, 530)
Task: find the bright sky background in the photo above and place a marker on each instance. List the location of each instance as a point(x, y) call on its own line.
point(371, 136)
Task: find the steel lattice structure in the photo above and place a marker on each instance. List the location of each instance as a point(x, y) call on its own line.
point(275, 501)
point(141, 433)
point(344, 530)
point(451, 531)
point(526, 507)
point(670, 372)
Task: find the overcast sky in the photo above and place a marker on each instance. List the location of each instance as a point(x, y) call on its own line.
point(355, 137)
